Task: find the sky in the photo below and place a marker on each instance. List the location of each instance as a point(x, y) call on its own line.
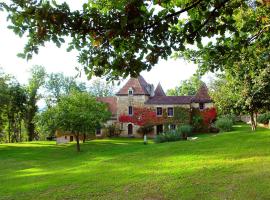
point(169, 73)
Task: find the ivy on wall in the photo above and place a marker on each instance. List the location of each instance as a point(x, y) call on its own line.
point(143, 116)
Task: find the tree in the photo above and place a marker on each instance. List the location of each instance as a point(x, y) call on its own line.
point(100, 88)
point(127, 37)
point(225, 94)
point(15, 111)
point(58, 85)
point(186, 87)
point(78, 113)
point(37, 79)
point(243, 54)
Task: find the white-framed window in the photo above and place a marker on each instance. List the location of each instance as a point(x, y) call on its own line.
point(130, 91)
point(130, 110)
point(159, 111)
point(201, 106)
point(170, 112)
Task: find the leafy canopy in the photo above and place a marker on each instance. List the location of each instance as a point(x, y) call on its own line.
point(123, 38)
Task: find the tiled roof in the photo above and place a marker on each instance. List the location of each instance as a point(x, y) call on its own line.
point(170, 100)
point(159, 91)
point(137, 84)
point(202, 95)
point(111, 102)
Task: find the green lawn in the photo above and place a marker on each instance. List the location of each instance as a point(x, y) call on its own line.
point(233, 165)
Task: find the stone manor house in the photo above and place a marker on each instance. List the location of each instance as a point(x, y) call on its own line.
point(138, 93)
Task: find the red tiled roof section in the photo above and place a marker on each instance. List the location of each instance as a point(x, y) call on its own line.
point(137, 84)
point(170, 100)
point(202, 95)
point(159, 91)
point(111, 102)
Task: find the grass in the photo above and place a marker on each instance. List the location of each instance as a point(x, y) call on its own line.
point(234, 165)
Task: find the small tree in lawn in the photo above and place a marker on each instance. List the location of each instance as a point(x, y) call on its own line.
point(80, 113)
point(144, 130)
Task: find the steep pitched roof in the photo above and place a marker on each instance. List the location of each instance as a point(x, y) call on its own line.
point(138, 85)
point(170, 100)
point(202, 95)
point(111, 102)
point(159, 91)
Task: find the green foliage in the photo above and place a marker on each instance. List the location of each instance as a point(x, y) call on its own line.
point(232, 117)
point(112, 130)
point(243, 54)
point(181, 115)
point(224, 124)
point(12, 108)
point(78, 113)
point(169, 136)
point(197, 120)
point(185, 130)
point(36, 80)
point(186, 87)
point(264, 118)
point(225, 94)
point(58, 85)
point(100, 88)
point(127, 37)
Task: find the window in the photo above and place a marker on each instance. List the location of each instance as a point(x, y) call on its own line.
point(172, 127)
point(159, 111)
point(130, 91)
point(130, 110)
point(65, 137)
point(201, 106)
point(170, 112)
point(98, 131)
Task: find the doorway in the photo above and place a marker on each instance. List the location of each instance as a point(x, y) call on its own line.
point(159, 129)
point(71, 138)
point(130, 129)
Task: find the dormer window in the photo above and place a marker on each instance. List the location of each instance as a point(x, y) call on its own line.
point(201, 106)
point(130, 91)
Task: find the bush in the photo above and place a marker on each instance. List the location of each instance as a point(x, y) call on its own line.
point(112, 131)
point(224, 124)
point(186, 131)
point(231, 117)
point(264, 118)
point(168, 137)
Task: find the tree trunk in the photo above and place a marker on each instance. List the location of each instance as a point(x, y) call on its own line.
point(253, 122)
point(78, 141)
point(20, 130)
point(31, 131)
point(9, 131)
point(84, 137)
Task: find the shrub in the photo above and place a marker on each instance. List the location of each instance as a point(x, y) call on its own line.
point(186, 131)
point(264, 118)
point(112, 131)
point(224, 124)
point(231, 117)
point(168, 137)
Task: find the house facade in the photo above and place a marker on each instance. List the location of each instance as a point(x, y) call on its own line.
point(137, 93)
